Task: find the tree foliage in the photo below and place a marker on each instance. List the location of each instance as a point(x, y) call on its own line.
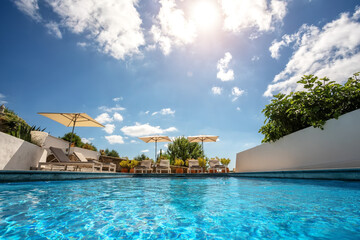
point(181, 148)
point(141, 157)
point(75, 139)
point(111, 153)
point(322, 100)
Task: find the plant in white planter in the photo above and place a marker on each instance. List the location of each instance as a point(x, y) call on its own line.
point(38, 137)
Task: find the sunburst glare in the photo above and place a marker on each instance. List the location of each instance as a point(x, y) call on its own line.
point(205, 14)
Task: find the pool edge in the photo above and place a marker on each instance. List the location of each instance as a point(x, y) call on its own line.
point(352, 174)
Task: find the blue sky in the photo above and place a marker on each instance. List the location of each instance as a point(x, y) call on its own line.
point(176, 68)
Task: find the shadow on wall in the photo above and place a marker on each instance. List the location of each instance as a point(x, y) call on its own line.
point(16, 154)
point(24, 158)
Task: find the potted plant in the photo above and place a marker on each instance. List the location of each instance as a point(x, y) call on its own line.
point(203, 163)
point(179, 162)
point(225, 162)
point(132, 165)
point(38, 137)
point(124, 166)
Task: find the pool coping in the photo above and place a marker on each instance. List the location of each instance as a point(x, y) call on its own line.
point(352, 174)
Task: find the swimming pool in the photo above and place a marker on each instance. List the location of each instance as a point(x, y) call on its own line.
point(167, 208)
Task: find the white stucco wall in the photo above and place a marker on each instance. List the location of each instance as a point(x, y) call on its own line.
point(87, 153)
point(337, 146)
point(51, 141)
point(60, 143)
point(16, 154)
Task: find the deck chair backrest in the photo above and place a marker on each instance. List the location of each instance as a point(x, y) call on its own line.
point(213, 162)
point(80, 156)
point(164, 163)
point(59, 154)
point(193, 162)
point(146, 163)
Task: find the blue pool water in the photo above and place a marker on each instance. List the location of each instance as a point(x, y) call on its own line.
point(156, 208)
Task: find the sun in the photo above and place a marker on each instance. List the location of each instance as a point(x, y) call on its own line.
point(205, 14)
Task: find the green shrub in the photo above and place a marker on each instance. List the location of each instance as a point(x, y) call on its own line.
point(179, 162)
point(203, 162)
point(89, 146)
point(183, 149)
point(13, 125)
point(125, 164)
point(133, 163)
point(225, 161)
point(322, 100)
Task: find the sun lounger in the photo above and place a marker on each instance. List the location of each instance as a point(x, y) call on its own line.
point(145, 165)
point(111, 167)
point(194, 165)
point(62, 160)
point(164, 165)
point(215, 165)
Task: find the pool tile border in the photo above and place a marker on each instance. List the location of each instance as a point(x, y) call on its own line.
point(31, 175)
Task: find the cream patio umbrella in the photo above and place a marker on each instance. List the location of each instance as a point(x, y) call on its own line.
point(72, 120)
point(202, 139)
point(155, 139)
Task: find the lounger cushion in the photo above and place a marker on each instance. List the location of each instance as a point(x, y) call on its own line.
point(219, 166)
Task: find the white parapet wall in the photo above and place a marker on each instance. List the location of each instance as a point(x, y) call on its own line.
point(17, 154)
point(87, 153)
point(337, 146)
point(51, 141)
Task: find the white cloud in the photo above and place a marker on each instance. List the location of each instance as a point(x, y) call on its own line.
point(249, 145)
point(113, 139)
point(332, 51)
point(255, 58)
point(356, 14)
point(117, 99)
point(145, 151)
point(82, 44)
point(29, 7)
point(53, 29)
point(139, 130)
point(147, 112)
point(238, 109)
point(118, 117)
point(109, 128)
point(166, 145)
point(224, 73)
point(111, 109)
point(216, 90)
point(87, 140)
point(287, 39)
point(236, 93)
point(171, 27)
point(134, 141)
point(114, 26)
point(258, 14)
point(164, 111)
point(2, 97)
point(104, 118)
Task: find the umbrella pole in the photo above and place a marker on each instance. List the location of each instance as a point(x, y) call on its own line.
point(72, 134)
point(202, 146)
point(155, 150)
